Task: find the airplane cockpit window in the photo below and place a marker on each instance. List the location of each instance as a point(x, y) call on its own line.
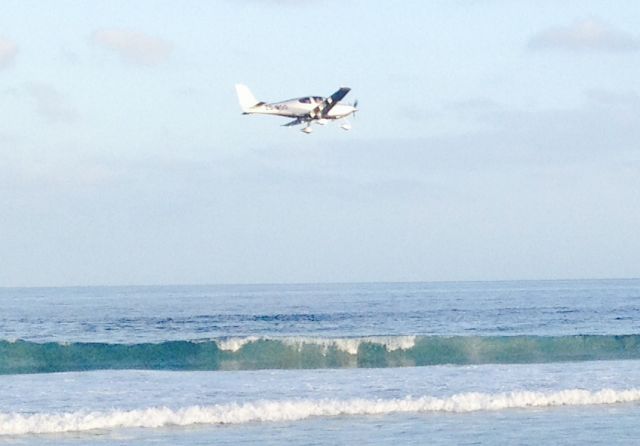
point(317, 99)
point(305, 100)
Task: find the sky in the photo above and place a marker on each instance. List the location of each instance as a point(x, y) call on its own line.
point(496, 140)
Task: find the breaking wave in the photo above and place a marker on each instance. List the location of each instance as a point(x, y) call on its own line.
point(294, 410)
point(348, 345)
point(253, 353)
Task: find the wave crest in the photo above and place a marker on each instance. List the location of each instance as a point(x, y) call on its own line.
point(254, 353)
point(295, 410)
point(346, 345)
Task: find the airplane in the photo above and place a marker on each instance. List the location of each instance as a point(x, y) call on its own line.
point(305, 110)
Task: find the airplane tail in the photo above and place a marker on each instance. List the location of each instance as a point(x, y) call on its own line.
point(246, 98)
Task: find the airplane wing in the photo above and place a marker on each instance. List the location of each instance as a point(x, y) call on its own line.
point(321, 110)
point(296, 121)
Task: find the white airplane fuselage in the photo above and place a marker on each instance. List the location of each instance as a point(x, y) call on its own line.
point(304, 110)
point(293, 108)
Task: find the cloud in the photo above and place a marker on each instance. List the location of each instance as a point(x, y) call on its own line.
point(585, 35)
point(8, 51)
point(603, 129)
point(50, 103)
point(133, 46)
point(6, 138)
point(603, 97)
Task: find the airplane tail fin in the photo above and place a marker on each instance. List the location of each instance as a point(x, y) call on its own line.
point(246, 98)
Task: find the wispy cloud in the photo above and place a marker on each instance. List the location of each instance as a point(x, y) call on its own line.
point(8, 51)
point(133, 46)
point(603, 97)
point(585, 35)
point(4, 138)
point(50, 103)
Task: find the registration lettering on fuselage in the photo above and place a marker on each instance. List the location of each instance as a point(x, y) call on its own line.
point(277, 107)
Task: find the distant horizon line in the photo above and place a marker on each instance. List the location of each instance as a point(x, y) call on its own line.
point(381, 282)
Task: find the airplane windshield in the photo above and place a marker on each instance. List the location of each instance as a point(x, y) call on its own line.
point(305, 100)
point(317, 99)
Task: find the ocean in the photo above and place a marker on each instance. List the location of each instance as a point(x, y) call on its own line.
point(521, 362)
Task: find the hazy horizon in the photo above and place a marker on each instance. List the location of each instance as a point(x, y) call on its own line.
point(267, 284)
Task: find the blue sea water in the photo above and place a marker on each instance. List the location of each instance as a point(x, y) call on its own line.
point(445, 363)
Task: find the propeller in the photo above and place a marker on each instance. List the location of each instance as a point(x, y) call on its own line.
point(355, 105)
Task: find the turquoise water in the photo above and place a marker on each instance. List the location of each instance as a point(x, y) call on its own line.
point(303, 353)
point(462, 363)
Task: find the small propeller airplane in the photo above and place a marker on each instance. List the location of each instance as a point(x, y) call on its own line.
point(305, 110)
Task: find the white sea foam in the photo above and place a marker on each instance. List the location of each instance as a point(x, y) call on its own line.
point(347, 345)
point(351, 345)
point(292, 410)
point(235, 344)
